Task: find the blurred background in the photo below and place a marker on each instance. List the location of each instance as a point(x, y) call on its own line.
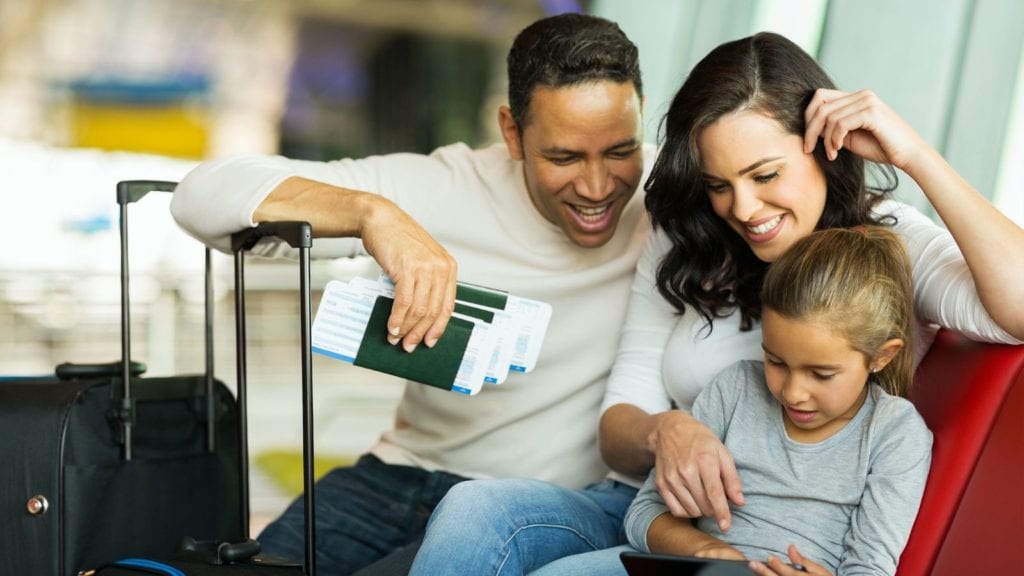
point(97, 91)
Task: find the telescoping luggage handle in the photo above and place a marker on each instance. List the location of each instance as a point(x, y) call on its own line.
point(298, 235)
point(129, 191)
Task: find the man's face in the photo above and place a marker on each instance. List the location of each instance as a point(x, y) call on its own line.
point(582, 157)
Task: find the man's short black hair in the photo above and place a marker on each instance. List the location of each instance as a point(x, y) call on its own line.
point(566, 50)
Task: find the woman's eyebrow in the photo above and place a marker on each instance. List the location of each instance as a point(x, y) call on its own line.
point(757, 164)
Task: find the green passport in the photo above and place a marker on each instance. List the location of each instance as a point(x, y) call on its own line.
point(437, 366)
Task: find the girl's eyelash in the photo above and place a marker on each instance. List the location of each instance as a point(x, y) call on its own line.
point(766, 177)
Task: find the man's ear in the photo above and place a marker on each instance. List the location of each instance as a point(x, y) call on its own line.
point(885, 354)
point(510, 133)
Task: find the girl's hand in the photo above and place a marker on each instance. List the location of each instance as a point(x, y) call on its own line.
point(776, 567)
point(720, 551)
point(694, 472)
point(863, 124)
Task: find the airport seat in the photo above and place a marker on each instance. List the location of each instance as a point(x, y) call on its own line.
point(971, 520)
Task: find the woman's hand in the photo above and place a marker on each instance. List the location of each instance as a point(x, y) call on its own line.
point(694, 472)
point(992, 244)
point(776, 567)
point(863, 124)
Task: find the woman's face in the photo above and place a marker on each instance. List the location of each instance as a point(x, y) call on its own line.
point(761, 182)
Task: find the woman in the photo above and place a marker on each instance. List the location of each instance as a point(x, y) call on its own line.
point(760, 150)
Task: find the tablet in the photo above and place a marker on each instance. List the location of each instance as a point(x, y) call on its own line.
point(643, 564)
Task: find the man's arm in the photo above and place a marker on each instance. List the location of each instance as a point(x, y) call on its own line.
point(221, 197)
point(423, 271)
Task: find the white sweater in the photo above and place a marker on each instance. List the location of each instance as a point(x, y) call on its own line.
point(541, 424)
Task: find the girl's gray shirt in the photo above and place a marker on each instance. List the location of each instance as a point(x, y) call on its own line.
point(847, 502)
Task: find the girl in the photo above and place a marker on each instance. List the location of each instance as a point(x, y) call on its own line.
point(832, 456)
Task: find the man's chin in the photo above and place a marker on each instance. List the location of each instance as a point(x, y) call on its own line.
point(592, 239)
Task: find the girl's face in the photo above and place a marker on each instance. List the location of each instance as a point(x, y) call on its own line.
point(814, 373)
point(761, 182)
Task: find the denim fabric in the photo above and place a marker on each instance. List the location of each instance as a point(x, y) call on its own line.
point(597, 563)
point(514, 526)
point(363, 514)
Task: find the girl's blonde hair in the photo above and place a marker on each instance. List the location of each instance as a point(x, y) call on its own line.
point(857, 281)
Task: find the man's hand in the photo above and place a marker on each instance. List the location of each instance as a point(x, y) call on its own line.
point(695, 473)
point(424, 273)
point(422, 270)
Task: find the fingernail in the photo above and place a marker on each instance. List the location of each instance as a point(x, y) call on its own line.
point(409, 347)
point(430, 342)
point(393, 330)
point(392, 340)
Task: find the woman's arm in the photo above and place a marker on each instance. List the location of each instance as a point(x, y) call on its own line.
point(639, 428)
point(692, 468)
point(992, 245)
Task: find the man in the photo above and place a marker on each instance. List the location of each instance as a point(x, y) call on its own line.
point(550, 215)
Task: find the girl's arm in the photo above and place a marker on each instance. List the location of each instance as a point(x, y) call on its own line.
point(901, 457)
point(992, 245)
point(651, 528)
point(671, 535)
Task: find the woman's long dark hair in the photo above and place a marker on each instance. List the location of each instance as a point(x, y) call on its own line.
point(709, 267)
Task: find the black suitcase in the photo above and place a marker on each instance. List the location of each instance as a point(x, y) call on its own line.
point(241, 557)
point(94, 470)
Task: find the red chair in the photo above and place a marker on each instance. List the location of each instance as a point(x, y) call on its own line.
point(971, 520)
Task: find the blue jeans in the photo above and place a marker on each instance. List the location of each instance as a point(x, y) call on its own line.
point(516, 526)
point(364, 514)
point(597, 563)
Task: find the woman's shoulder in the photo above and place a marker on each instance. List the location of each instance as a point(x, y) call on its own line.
point(901, 216)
